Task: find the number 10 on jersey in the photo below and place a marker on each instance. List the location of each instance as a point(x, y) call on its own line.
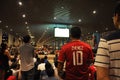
point(77, 58)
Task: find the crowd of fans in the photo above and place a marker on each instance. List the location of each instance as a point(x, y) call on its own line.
point(44, 69)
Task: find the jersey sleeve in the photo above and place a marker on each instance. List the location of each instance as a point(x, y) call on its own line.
point(102, 56)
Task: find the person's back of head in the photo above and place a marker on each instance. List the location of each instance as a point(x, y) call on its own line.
point(75, 32)
point(26, 39)
point(45, 57)
point(117, 9)
point(116, 16)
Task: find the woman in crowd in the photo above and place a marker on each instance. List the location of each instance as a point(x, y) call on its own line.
point(4, 59)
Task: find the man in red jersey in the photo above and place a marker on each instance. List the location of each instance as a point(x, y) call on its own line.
point(77, 55)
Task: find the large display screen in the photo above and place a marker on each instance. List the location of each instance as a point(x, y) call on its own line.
point(61, 32)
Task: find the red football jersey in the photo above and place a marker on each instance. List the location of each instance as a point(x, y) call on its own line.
point(77, 55)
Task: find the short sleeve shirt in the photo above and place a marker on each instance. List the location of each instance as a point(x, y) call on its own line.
point(26, 55)
point(77, 55)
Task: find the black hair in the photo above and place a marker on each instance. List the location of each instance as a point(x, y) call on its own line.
point(26, 38)
point(117, 9)
point(42, 60)
point(75, 32)
point(45, 57)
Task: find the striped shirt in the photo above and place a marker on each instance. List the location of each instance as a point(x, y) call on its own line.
point(108, 54)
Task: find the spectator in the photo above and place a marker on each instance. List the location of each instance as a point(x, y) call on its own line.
point(108, 55)
point(26, 56)
point(56, 60)
point(50, 72)
point(37, 72)
point(4, 59)
point(41, 68)
point(46, 59)
point(78, 56)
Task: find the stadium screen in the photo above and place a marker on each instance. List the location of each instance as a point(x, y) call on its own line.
point(61, 32)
